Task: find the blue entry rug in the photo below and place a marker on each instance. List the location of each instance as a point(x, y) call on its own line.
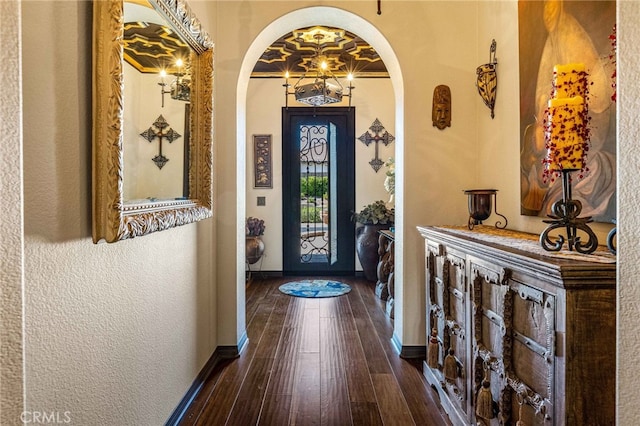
point(315, 288)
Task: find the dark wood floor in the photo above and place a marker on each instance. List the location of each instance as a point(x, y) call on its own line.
point(316, 362)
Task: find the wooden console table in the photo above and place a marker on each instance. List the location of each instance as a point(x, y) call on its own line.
point(529, 332)
point(384, 286)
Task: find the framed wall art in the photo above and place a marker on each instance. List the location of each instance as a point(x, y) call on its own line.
point(262, 162)
point(557, 32)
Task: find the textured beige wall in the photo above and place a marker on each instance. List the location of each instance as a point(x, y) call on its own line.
point(628, 212)
point(11, 221)
point(115, 333)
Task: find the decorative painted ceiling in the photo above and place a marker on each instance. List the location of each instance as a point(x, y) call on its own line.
point(150, 44)
point(150, 47)
point(344, 52)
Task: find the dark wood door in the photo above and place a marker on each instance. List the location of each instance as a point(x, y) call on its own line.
point(318, 190)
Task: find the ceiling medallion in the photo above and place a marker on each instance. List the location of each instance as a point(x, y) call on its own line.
point(306, 39)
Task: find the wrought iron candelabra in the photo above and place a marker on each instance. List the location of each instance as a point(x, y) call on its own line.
point(565, 215)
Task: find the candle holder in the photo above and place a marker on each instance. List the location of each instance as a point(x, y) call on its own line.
point(480, 207)
point(565, 215)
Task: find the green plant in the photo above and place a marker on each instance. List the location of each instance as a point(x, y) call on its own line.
point(254, 227)
point(310, 214)
point(375, 213)
point(314, 186)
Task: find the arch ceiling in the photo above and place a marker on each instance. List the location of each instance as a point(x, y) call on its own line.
point(345, 52)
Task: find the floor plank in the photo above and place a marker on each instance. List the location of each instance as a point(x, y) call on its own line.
point(335, 407)
point(316, 362)
point(393, 406)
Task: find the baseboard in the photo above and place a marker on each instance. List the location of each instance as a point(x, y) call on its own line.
point(280, 274)
point(220, 354)
point(408, 351)
point(242, 343)
point(264, 274)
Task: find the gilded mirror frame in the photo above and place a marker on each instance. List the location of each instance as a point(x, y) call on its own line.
point(113, 219)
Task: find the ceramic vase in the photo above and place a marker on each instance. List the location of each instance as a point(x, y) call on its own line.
point(254, 249)
point(367, 249)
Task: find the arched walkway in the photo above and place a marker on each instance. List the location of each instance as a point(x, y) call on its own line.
point(321, 15)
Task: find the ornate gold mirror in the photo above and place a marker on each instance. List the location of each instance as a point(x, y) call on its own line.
point(152, 92)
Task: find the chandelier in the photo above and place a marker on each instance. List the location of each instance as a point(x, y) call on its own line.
point(180, 87)
point(318, 85)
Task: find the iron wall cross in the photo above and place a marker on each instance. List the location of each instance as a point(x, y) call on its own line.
point(170, 135)
point(377, 134)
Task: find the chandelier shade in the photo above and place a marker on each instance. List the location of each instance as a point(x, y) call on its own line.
point(318, 85)
point(318, 93)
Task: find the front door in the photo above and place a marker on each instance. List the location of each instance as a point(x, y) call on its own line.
point(318, 190)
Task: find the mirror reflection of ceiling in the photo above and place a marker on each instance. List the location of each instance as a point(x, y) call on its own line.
point(150, 45)
point(345, 52)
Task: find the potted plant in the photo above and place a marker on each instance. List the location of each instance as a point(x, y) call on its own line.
point(373, 217)
point(254, 229)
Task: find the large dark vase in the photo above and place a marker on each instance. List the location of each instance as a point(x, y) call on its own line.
point(367, 249)
point(254, 249)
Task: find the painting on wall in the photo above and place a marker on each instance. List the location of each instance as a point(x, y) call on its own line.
point(556, 32)
point(263, 177)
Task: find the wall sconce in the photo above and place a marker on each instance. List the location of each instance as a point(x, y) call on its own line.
point(180, 87)
point(487, 80)
point(480, 207)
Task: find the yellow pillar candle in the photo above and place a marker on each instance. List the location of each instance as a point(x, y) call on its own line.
point(569, 80)
point(566, 127)
point(566, 148)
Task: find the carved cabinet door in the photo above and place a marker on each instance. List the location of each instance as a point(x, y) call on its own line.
point(447, 319)
point(513, 348)
point(533, 365)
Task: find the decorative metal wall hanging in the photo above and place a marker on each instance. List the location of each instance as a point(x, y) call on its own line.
point(262, 161)
point(170, 135)
point(487, 80)
point(376, 134)
point(441, 110)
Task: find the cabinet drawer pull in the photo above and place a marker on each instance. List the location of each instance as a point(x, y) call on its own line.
point(528, 293)
point(493, 316)
point(457, 293)
point(531, 344)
